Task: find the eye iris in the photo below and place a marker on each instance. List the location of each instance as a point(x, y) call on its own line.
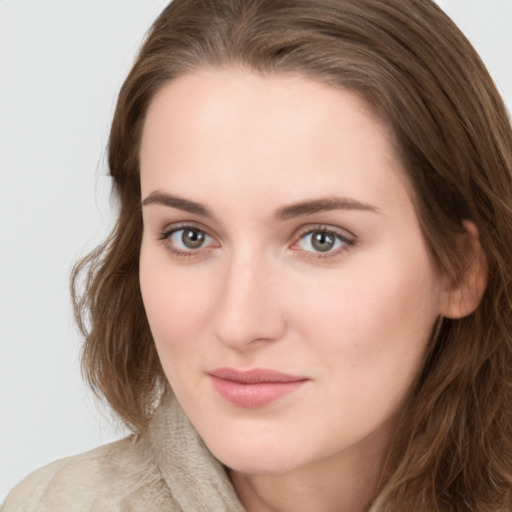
point(192, 239)
point(322, 241)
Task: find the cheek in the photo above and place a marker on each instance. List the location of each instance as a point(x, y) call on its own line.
point(176, 305)
point(391, 301)
point(372, 335)
point(374, 320)
point(175, 313)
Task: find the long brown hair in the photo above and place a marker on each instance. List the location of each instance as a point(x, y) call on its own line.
point(453, 447)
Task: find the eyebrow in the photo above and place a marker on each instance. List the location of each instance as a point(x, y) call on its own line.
point(177, 202)
point(322, 205)
point(282, 214)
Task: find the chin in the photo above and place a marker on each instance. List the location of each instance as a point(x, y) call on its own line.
point(254, 454)
point(262, 463)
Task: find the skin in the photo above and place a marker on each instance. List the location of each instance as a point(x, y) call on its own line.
point(354, 320)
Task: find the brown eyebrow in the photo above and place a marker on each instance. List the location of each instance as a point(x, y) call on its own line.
point(285, 213)
point(322, 205)
point(177, 202)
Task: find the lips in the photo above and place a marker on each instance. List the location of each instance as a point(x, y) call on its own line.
point(254, 388)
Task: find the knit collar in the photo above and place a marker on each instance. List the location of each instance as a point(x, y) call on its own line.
point(198, 481)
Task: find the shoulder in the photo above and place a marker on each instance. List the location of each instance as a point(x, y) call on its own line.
point(115, 477)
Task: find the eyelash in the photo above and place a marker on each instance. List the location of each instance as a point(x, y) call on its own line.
point(347, 239)
point(167, 233)
point(341, 236)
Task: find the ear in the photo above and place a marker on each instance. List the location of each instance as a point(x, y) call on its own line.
point(463, 294)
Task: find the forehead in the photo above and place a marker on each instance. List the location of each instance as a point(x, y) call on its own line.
point(207, 97)
point(226, 128)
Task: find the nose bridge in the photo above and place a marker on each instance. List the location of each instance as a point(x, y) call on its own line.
point(248, 308)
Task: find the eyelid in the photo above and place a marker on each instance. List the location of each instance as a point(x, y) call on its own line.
point(348, 238)
point(165, 234)
point(343, 233)
point(190, 224)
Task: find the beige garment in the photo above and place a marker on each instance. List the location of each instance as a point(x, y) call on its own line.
point(170, 471)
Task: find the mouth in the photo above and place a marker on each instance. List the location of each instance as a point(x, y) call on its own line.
point(254, 388)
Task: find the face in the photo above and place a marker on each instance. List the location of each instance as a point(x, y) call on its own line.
point(288, 288)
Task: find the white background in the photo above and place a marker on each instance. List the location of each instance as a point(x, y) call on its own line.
point(62, 63)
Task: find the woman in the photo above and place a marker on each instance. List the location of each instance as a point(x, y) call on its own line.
point(305, 304)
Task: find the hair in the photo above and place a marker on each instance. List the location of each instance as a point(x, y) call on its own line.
point(453, 445)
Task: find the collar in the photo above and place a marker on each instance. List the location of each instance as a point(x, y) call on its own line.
point(197, 480)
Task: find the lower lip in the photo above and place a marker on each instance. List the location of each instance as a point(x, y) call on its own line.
point(254, 395)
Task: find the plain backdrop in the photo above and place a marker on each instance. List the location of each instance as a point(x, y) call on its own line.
point(62, 63)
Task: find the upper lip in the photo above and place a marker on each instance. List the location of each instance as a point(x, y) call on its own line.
point(254, 376)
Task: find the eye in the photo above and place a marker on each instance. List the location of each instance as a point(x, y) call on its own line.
point(186, 239)
point(323, 241)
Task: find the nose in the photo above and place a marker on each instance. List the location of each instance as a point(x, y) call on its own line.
point(249, 309)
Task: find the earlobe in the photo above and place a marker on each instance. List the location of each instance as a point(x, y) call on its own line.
point(464, 293)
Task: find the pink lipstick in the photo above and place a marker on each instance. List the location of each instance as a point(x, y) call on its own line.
point(254, 388)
